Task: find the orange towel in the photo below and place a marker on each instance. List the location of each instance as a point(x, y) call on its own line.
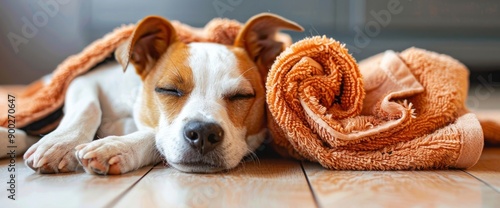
point(396, 112)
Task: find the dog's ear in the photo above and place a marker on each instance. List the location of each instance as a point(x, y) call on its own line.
point(150, 39)
point(259, 38)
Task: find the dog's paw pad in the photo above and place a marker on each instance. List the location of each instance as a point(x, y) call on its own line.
point(114, 165)
point(96, 163)
point(98, 168)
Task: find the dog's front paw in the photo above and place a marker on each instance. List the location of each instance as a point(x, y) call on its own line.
point(51, 155)
point(108, 156)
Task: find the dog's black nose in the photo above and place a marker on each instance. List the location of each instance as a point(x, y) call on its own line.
point(203, 136)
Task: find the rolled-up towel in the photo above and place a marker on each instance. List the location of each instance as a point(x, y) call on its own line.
point(394, 112)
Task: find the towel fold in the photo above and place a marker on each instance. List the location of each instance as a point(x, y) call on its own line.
point(395, 112)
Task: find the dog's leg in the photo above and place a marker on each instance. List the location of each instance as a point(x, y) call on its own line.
point(55, 152)
point(118, 154)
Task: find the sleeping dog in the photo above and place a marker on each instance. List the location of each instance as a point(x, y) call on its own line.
point(198, 106)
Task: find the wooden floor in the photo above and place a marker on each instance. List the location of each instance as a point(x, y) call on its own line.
point(268, 182)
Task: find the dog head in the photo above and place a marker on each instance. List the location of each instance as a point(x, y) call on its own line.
point(206, 101)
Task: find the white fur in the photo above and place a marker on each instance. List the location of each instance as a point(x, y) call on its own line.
point(99, 102)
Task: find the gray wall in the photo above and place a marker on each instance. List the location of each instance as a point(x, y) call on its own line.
point(467, 30)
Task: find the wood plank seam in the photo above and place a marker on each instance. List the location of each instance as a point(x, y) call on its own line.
point(482, 181)
point(316, 202)
point(113, 202)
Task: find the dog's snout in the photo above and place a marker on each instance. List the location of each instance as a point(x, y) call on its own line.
point(203, 136)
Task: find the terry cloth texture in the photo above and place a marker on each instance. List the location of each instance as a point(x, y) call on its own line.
point(393, 111)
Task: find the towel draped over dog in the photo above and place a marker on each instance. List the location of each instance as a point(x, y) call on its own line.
point(392, 111)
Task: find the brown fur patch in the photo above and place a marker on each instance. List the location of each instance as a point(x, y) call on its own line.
point(171, 71)
point(248, 113)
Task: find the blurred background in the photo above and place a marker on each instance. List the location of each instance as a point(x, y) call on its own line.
point(36, 35)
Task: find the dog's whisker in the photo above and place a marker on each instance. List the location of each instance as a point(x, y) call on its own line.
point(241, 75)
point(252, 157)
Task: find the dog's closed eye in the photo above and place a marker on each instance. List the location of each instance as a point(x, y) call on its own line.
point(240, 96)
point(169, 91)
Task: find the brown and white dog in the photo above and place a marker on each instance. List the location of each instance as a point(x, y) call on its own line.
point(201, 104)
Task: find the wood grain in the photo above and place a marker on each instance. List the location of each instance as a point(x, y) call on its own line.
point(63, 190)
point(268, 183)
point(451, 188)
point(487, 168)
